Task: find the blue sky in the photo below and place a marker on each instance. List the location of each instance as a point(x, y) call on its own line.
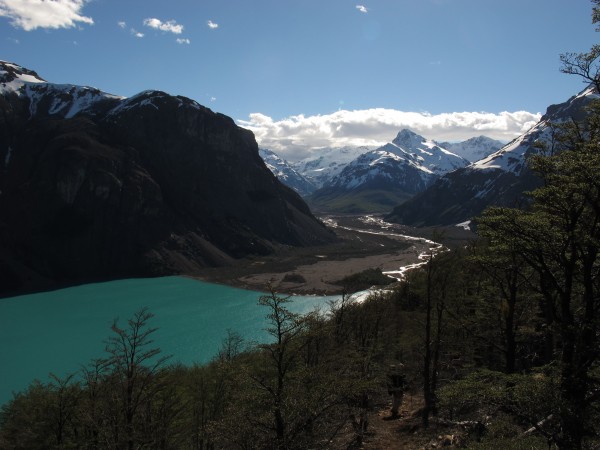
point(271, 62)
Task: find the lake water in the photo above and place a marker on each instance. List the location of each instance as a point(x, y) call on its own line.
point(61, 330)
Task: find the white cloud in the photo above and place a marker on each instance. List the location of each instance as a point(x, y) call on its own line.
point(170, 25)
point(213, 99)
point(212, 25)
point(132, 30)
point(183, 41)
point(32, 14)
point(362, 9)
point(294, 137)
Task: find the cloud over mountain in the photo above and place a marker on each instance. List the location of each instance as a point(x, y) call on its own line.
point(294, 136)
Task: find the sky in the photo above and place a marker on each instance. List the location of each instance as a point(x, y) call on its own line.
point(303, 74)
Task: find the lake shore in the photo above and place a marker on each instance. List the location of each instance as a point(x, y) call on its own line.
point(363, 244)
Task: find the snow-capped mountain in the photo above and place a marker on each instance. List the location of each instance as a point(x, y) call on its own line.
point(475, 148)
point(63, 100)
point(428, 154)
point(286, 173)
point(382, 168)
point(512, 157)
point(393, 172)
point(499, 179)
point(327, 163)
point(410, 162)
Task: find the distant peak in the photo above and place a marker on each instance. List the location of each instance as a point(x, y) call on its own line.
point(408, 138)
point(13, 72)
point(405, 132)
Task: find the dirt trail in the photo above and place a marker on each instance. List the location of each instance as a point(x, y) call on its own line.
point(403, 433)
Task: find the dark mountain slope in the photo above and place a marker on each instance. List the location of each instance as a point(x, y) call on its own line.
point(95, 186)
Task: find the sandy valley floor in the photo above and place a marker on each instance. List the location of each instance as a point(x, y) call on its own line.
point(365, 243)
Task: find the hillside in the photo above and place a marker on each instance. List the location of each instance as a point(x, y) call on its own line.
point(96, 186)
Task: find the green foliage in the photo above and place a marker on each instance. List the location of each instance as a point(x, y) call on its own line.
point(368, 201)
point(364, 280)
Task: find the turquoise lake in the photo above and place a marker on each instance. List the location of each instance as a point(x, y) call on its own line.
point(59, 331)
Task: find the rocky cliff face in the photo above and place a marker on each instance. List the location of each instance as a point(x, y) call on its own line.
point(95, 186)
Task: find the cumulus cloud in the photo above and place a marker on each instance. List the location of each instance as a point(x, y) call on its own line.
point(183, 41)
point(296, 136)
point(362, 9)
point(122, 24)
point(212, 25)
point(170, 25)
point(32, 14)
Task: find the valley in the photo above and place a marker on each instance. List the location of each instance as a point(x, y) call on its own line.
point(363, 242)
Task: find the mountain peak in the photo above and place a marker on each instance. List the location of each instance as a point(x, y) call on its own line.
point(12, 76)
point(408, 138)
point(475, 148)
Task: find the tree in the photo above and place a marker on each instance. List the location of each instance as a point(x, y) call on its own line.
point(273, 379)
point(508, 273)
point(438, 275)
point(585, 64)
point(559, 238)
point(134, 367)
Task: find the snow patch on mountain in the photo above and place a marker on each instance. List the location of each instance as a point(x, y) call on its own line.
point(327, 163)
point(65, 100)
point(13, 77)
point(513, 156)
point(474, 149)
point(409, 163)
point(428, 154)
point(286, 173)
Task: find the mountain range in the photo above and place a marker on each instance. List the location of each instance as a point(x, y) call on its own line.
point(499, 179)
point(426, 183)
point(97, 186)
point(362, 179)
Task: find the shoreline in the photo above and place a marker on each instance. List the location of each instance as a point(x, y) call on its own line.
point(365, 242)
